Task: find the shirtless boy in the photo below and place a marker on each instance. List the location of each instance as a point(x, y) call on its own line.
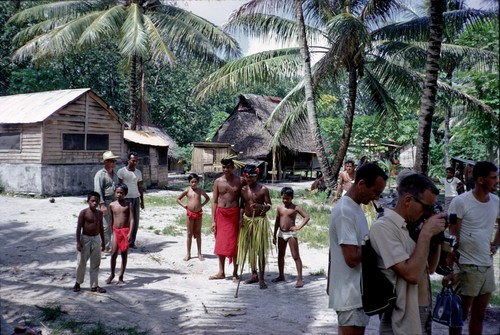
point(346, 179)
point(285, 224)
point(226, 217)
point(122, 221)
point(89, 243)
point(194, 213)
point(255, 237)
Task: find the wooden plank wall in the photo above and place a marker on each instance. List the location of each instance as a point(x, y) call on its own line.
point(73, 119)
point(31, 143)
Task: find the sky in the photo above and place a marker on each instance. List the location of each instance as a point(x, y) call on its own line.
point(218, 11)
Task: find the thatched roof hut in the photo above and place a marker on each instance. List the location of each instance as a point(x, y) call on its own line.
point(245, 130)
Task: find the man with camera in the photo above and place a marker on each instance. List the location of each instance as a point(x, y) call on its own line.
point(404, 260)
point(477, 211)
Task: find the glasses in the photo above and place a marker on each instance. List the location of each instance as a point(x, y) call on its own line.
point(427, 208)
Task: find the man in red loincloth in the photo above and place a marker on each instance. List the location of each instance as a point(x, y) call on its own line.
point(226, 217)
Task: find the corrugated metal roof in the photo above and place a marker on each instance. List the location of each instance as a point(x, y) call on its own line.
point(35, 107)
point(144, 137)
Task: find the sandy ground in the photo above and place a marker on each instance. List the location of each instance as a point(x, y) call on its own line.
point(163, 294)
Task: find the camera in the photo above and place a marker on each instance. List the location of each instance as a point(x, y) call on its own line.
point(449, 219)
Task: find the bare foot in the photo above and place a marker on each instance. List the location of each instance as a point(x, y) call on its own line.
point(299, 283)
point(262, 284)
point(278, 279)
point(187, 258)
point(253, 279)
point(110, 279)
point(217, 276)
point(236, 278)
point(120, 280)
point(201, 258)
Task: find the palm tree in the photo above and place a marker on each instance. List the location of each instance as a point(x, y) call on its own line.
point(145, 30)
point(355, 56)
point(309, 95)
point(428, 100)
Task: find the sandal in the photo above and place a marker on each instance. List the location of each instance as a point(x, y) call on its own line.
point(98, 289)
point(76, 288)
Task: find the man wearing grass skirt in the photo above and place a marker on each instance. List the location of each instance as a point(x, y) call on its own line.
point(254, 240)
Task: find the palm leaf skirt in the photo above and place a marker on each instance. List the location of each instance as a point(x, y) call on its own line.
point(254, 241)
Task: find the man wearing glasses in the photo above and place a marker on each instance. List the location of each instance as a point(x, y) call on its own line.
point(403, 260)
point(105, 181)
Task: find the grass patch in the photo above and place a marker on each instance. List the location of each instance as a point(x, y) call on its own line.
point(99, 329)
point(321, 272)
point(153, 201)
point(170, 231)
point(51, 313)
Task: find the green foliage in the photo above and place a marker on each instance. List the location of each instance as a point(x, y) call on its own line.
point(51, 312)
point(156, 201)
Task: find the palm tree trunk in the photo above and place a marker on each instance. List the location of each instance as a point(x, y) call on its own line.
point(133, 92)
point(348, 121)
point(310, 102)
point(428, 98)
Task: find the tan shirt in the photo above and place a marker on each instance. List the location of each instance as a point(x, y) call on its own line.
point(392, 242)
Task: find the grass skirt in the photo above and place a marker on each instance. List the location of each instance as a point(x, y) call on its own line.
point(255, 241)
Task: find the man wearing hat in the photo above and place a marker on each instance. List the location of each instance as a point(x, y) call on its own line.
point(105, 181)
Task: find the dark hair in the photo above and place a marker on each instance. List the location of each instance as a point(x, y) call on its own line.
point(193, 175)
point(132, 153)
point(483, 169)
point(93, 194)
point(416, 184)
point(250, 169)
point(287, 191)
point(449, 168)
point(227, 161)
point(369, 172)
point(123, 187)
point(349, 161)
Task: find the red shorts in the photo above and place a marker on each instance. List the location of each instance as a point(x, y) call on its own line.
point(194, 215)
point(121, 236)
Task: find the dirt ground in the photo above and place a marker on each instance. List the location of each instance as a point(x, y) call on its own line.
point(163, 294)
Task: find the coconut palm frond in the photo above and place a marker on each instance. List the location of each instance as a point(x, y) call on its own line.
point(407, 31)
point(27, 34)
point(316, 13)
point(271, 7)
point(52, 10)
point(378, 99)
point(411, 54)
point(379, 10)
point(273, 65)
point(57, 41)
point(160, 52)
point(105, 25)
point(186, 28)
point(134, 39)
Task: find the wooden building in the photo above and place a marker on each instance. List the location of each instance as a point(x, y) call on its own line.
point(206, 156)
point(156, 151)
point(248, 133)
point(52, 143)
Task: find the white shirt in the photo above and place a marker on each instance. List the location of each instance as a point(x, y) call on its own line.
point(450, 187)
point(131, 178)
point(476, 230)
point(347, 226)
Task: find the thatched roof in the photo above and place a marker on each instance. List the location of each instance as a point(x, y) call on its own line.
point(244, 128)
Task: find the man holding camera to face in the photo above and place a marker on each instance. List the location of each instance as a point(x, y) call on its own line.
point(477, 211)
point(407, 258)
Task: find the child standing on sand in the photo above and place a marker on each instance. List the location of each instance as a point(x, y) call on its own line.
point(193, 213)
point(122, 221)
point(285, 223)
point(89, 243)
